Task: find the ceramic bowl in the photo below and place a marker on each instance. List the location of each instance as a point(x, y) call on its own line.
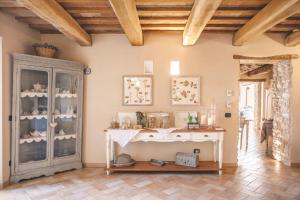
point(35, 133)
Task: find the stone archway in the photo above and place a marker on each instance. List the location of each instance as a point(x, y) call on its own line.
point(280, 86)
point(282, 129)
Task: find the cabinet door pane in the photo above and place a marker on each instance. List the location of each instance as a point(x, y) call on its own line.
point(65, 114)
point(33, 116)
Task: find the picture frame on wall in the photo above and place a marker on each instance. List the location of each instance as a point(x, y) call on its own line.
point(137, 90)
point(185, 90)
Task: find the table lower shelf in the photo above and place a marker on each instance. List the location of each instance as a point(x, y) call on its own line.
point(145, 166)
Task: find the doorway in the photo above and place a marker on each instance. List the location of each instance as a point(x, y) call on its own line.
point(255, 108)
point(252, 112)
point(269, 130)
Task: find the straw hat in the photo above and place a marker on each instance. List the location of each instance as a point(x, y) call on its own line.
point(124, 160)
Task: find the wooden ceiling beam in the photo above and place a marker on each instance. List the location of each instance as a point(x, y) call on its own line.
point(163, 20)
point(163, 27)
point(127, 15)
point(97, 20)
point(32, 20)
point(252, 80)
point(248, 3)
point(287, 25)
point(84, 3)
point(164, 2)
point(261, 70)
point(277, 57)
point(292, 39)
point(91, 12)
point(235, 13)
point(9, 3)
point(201, 13)
point(272, 14)
point(55, 14)
point(164, 13)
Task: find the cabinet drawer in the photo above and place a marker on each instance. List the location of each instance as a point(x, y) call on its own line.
point(205, 136)
point(148, 137)
point(179, 136)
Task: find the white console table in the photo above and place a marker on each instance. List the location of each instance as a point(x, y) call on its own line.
point(196, 135)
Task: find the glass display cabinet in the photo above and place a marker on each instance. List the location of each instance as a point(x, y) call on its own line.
point(46, 116)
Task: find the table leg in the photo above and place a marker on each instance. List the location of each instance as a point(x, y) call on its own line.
point(241, 137)
point(267, 145)
point(112, 150)
point(108, 151)
point(220, 156)
point(215, 151)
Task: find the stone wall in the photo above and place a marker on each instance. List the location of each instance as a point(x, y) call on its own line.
point(281, 89)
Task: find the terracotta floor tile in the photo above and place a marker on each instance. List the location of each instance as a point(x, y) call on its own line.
point(258, 177)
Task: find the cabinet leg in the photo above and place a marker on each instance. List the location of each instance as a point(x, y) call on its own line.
point(220, 172)
point(108, 172)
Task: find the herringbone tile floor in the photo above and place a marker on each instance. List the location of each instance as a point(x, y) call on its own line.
point(257, 177)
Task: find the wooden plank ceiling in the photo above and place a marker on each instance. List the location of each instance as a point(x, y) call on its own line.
point(98, 16)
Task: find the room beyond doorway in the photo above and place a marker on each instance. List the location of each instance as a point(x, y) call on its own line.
point(253, 111)
point(273, 105)
point(255, 108)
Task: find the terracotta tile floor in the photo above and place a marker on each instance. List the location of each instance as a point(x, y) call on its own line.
point(257, 177)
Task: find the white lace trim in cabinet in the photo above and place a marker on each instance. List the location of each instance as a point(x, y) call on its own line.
point(30, 140)
point(67, 136)
point(65, 116)
point(66, 95)
point(30, 117)
point(33, 94)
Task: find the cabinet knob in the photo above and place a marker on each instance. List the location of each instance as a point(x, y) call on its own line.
point(205, 135)
point(178, 135)
point(151, 136)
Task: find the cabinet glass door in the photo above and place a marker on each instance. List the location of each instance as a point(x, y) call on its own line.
point(32, 121)
point(65, 110)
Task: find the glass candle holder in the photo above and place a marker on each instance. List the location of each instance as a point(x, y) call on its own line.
point(203, 117)
point(211, 119)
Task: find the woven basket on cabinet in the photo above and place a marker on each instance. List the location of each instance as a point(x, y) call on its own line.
point(45, 50)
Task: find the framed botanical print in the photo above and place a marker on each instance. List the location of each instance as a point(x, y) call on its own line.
point(185, 90)
point(137, 90)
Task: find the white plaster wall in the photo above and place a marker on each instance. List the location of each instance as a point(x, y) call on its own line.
point(111, 56)
point(16, 38)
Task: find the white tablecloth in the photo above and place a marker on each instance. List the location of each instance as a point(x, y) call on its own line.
point(123, 137)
